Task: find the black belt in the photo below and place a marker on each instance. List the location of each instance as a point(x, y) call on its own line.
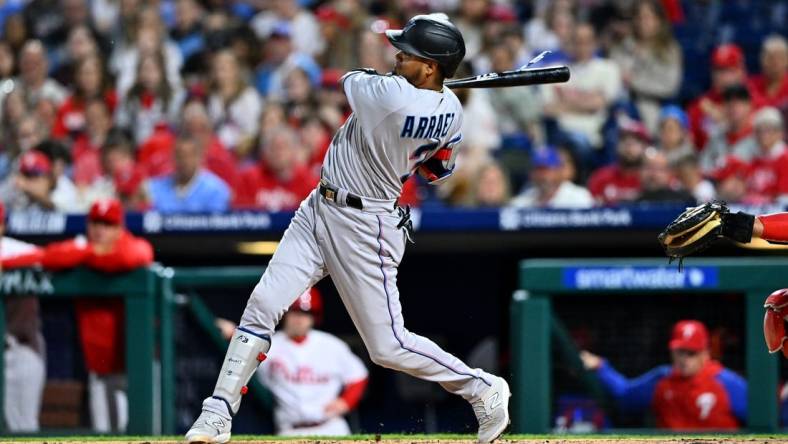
point(331, 194)
point(307, 425)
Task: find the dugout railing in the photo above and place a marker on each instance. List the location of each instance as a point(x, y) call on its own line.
point(148, 296)
point(190, 281)
point(533, 329)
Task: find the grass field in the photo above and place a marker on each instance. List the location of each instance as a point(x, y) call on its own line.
point(427, 439)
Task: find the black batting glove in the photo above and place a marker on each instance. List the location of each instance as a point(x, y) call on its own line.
point(737, 226)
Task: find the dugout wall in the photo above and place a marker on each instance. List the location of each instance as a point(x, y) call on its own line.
point(148, 298)
point(533, 328)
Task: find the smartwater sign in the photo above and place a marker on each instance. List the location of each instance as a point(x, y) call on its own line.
point(639, 277)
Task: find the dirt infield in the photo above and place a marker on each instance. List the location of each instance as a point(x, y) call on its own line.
point(547, 440)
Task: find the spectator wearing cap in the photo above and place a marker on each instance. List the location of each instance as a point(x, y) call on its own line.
point(280, 180)
point(190, 188)
point(673, 133)
point(279, 57)
point(657, 182)
point(106, 247)
point(706, 112)
point(620, 182)
point(233, 105)
point(734, 137)
point(770, 87)
point(24, 355)
point(650, 61)
point(30, 188)
point(307, 40)
point(580, 106)
point(695, 392)
point(549, 186)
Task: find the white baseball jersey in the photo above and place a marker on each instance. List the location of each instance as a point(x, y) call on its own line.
point(394, 126)
point(304, 377)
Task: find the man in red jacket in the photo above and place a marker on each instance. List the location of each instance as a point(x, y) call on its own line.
point(109, 248)
point(694, 393)
point(25, 366)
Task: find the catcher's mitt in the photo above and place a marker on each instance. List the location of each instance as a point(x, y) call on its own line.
point(693, 230)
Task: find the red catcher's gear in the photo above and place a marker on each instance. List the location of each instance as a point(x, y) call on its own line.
point(774, 321)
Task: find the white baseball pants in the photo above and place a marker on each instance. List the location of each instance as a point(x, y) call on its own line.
point(361, 250)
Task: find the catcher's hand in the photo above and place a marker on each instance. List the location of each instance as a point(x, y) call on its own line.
point(698, 227)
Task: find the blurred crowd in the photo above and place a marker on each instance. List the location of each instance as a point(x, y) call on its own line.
point(214, 105)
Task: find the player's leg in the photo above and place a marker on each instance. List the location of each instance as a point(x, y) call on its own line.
point(362, 253)
point(296, 265)
point(25, 376)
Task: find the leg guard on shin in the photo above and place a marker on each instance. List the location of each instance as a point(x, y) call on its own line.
point(246, 351)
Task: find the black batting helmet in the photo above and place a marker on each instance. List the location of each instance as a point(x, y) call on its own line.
point(432, 37)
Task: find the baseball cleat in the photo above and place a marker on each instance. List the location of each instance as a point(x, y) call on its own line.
point(212, 427)
point(492, 411)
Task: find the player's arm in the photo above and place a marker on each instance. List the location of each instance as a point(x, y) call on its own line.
point(736, 387)
point(631, 394)
point(354, 377)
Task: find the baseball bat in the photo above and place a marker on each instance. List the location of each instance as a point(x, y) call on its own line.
point(535, 76)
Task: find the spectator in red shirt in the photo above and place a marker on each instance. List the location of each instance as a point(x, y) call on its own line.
point(109, 248)
point(620, 182)
point(279, 182)
point(705, 113)
point(771, 85)
point(694, 393)
point(24, 365)
point(87, 147)
point(91, 82)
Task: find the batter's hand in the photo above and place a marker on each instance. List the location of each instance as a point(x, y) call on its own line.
point(590, 360)
point(337, 407)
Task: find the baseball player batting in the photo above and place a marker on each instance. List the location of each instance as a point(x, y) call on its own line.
point(352, 228)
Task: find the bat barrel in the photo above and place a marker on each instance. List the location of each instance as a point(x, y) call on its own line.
point(537, 76)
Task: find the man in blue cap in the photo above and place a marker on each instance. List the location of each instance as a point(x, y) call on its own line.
point(674, 138)
point(548, 186)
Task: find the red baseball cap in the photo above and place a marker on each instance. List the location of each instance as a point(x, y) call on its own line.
point(689, 335)
point(108, 210)
point(627, 125)
point(727, 56)
point(34, 163)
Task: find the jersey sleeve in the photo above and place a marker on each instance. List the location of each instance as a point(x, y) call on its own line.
point(372, 97)
point(631, 394)
point(736, 387)
point(351, 368)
